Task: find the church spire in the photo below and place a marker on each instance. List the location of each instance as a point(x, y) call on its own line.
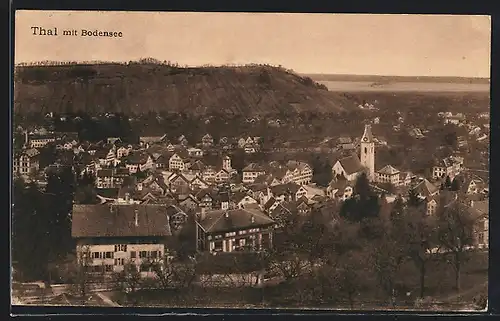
point(367, 134)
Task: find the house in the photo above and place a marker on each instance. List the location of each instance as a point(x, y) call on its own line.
point(270, 205)
point(251, 172)
point(123, 151)
point(417, 133)
point(287, 192)
point(450, 166)
point(197, 168)
point(242, 200)
point(340, 189)
point(178, 161)
point(425, 189)
point(182, 140)
point(198, 183)
point(234, 230)
point(481, 212)
point(349, 167)
point(138, 161)
point(242, 142)
point(150, 140)
point(41, 140)
point(207, 141)
point(187, 201)
point(194, 152)
point(179, 181)
point(296, 172)
point(26, 162)
point(110, 236)
point(111, 177)
point(405, 178)
point(106, 155)
point(312, 191)
point(113, 140)
point(469, 184)
point(454, 119)
point(207, 199)
point(388, 174)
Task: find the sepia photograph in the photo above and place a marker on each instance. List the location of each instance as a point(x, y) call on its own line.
point(250, 160)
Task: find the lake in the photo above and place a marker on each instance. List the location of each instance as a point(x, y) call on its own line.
point(369, 86)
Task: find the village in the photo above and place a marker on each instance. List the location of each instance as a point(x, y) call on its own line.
point(165, 199)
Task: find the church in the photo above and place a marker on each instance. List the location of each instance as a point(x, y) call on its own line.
point(351, 166)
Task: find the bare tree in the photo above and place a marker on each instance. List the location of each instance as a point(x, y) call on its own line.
point(129, 279)
point(417, 233)
point(455, 229)
point(348, 277)
point(82, 273)
point(387, 257)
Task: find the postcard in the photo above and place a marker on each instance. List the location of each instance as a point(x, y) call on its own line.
point(251, 160)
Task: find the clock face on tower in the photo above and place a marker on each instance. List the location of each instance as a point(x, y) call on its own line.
point(365, 139)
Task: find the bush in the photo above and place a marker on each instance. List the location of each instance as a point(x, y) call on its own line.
point(481, 301)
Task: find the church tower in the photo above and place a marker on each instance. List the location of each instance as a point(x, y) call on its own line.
point(367, 153)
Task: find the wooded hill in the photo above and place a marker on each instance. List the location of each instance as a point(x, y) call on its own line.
point(139, 87)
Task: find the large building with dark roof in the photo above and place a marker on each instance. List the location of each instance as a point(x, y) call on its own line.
point(116, 235)
point(233, 230)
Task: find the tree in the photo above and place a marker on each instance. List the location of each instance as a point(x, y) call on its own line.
point(447, 182)
point(417, 233)
point(348, 277)
point(455, 185)
point(362, 187)
point(82, 272)
point(30, 243)
point(387, 257)
point(129, 279)
point(455, 234)
point(413, 199)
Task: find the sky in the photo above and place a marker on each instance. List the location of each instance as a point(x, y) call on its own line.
point(359, 44)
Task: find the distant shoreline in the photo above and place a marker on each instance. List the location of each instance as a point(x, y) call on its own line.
point(396, 79)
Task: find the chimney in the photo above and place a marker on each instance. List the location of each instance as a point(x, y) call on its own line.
point(136, 212)
point(471, 203)
point(127, 197)
point(202, 213)
point(139, 187)
point(226, 214)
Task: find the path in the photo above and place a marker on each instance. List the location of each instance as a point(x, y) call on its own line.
point(107, 300)
point(476, 288)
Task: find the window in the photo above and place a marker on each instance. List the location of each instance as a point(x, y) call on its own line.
point(366, 150)
point(143, 254)
point(109, 255)
point(108, 268)
point(133, 254)
point(119, 261)
point(95, 255)
point(154, 254)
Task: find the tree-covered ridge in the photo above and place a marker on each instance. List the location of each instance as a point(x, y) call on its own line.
point(143, 86)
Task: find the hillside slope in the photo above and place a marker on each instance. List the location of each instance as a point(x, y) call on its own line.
point(138, 87)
